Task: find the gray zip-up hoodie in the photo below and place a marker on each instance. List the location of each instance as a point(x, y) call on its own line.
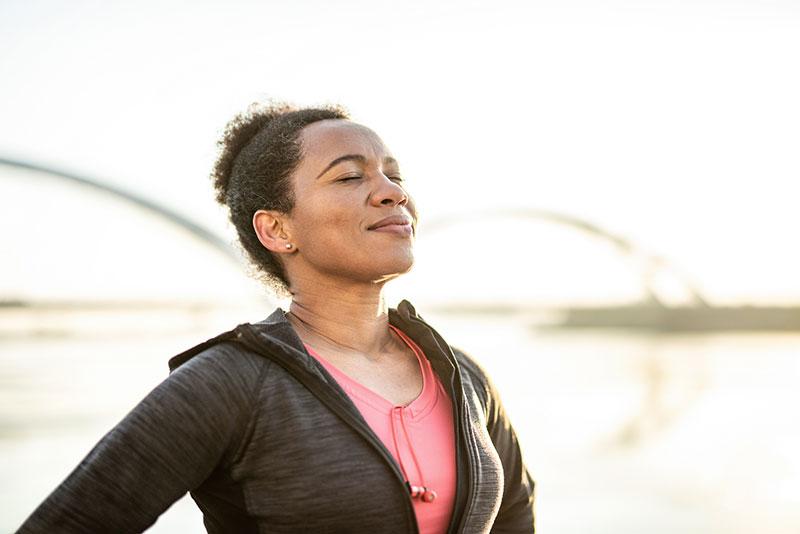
point(267, 441)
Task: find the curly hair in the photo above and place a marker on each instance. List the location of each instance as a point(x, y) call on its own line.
point(258, 152)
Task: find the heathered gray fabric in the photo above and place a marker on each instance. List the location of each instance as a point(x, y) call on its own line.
point(266, 441)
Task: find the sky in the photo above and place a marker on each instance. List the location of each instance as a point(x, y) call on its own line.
point(674, 124)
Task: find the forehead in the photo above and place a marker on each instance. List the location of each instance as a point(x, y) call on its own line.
point(326, 140)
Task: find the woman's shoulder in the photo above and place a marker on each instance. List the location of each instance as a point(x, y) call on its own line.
point(476, 375)
point(227, 355)
point(220, 361)
point(476, 371)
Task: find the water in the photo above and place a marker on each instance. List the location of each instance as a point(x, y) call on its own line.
point(623, 432)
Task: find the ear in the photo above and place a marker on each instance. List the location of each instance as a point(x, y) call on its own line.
point(270, 228)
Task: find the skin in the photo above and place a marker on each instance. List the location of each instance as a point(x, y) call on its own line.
point(337, 267)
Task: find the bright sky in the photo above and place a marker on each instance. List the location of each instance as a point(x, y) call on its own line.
point(674, 124)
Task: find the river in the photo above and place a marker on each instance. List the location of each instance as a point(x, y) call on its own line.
point(624, 431)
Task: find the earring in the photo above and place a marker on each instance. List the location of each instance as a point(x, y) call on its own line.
point(288, 245)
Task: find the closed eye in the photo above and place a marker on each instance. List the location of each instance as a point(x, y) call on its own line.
point(348, 178)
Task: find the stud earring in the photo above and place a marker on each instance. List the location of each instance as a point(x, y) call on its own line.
point(288, 245)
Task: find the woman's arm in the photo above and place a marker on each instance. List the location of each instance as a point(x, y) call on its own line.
point(516, 514)
point(168, 444)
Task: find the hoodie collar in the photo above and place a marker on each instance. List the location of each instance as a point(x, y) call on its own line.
point(277, 332)
point(277, 327)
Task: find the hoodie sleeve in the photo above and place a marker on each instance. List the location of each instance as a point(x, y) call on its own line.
point(168, 444)
point(516, 514)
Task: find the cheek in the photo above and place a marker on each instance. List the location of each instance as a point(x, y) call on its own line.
point(412, 207)
point(324, 228)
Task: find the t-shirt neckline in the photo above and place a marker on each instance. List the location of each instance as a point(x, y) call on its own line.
point(417, 408)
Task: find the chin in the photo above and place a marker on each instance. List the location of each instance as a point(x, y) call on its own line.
point(393, 270)
point(406, 263)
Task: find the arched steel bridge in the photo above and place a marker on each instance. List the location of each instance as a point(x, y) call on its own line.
point(652, 264)
point(160, 210)
point(626, 247)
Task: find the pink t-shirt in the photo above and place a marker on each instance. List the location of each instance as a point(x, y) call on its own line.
point(419, 435)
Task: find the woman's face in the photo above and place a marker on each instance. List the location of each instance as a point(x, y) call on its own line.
point(352, 217)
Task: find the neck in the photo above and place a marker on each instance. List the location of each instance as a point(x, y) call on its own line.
point(352, 316)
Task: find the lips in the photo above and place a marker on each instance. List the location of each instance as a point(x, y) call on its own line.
point(394, 220)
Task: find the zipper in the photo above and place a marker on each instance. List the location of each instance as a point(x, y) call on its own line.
point(330, 400)
point(472, 476)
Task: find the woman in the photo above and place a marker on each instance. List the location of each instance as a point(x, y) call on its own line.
point(341, 415)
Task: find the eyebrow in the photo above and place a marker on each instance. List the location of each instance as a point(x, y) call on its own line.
point(353, 157)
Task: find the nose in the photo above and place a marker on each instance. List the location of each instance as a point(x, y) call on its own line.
point(389, 193)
